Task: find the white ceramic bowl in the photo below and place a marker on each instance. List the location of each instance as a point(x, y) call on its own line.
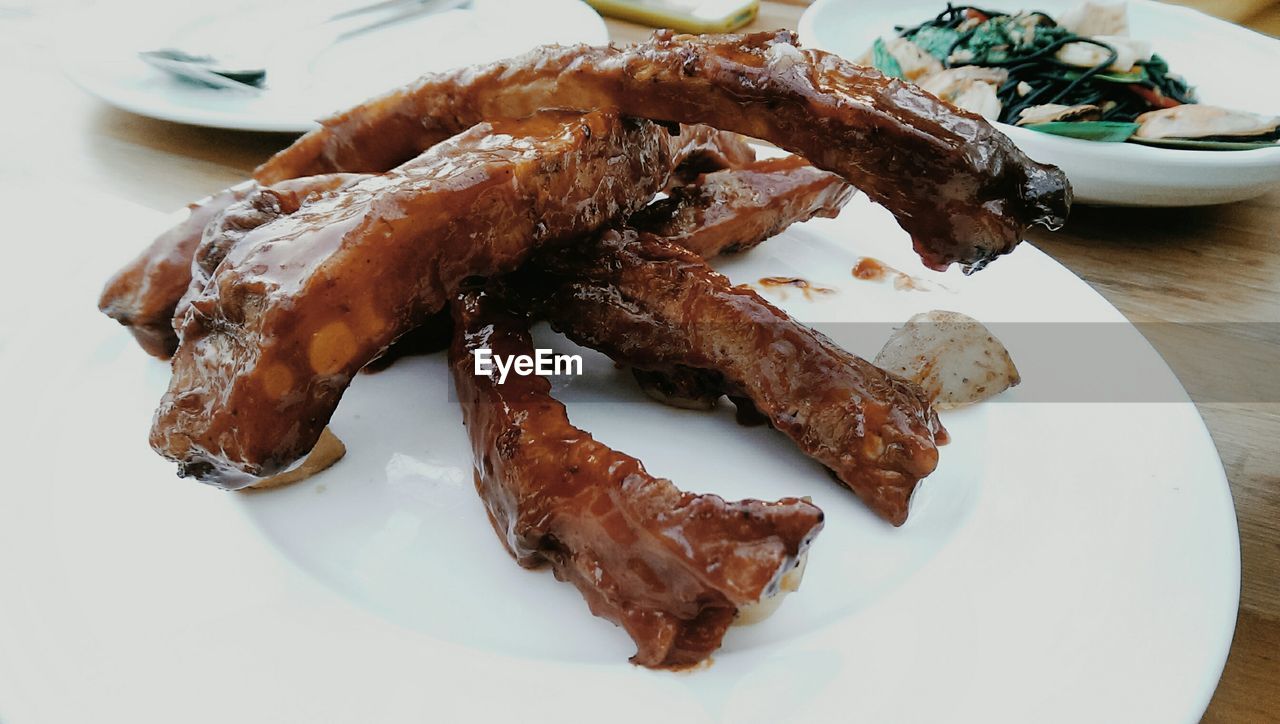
point(1229, 66)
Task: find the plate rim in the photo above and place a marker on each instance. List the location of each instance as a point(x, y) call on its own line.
point(1219, 484)
point(70, 61)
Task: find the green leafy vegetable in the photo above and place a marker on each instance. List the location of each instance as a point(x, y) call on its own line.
point(988, 43)
point(1137, 76)
point(1026, 45)
point(1105, 131)
point(1003, 38)
point(884, 61)
point(936, 41)
point(1169, 84)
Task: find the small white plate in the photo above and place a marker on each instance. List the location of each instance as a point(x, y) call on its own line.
point(1229, 66)
point(308, 76)
point(1070, 561)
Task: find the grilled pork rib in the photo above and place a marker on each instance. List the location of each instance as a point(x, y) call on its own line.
point(671, 568)
point(300, 304)
point(959, 187)
point(144, 295)
point(723, 211)
point(653, 305)
point(258, 208)
point(733, 210)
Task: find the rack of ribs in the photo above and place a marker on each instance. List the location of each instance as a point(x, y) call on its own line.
point(300, 304)
point(959, 187)
point(671, 568)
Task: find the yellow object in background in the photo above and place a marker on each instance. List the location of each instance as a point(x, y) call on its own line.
point(1261, 15)
point(690, 16)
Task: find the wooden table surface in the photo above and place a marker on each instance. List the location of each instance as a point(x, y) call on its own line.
point(1210, 265)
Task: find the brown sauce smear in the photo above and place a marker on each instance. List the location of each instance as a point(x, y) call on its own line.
point(874, 270)
point(803, 285)
point(871, 270)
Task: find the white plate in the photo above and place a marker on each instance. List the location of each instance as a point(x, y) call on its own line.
point(308, 77)
point(1068, 562)
point(1229, 66)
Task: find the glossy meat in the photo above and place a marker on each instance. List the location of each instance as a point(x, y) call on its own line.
point(703, 149)
point(258, 208)
point(731, 211)
point(143, 294)
point(300, 304)
point(738, 204)
point(735, 209)
point(671, 568)
point(695, 151)
point(960, 188)
point(653, 305)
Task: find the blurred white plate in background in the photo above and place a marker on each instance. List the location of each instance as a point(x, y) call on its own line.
point(1229, 66)
point(308, 76)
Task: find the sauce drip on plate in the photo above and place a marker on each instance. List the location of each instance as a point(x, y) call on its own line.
point(803, 285)
point(874, 270)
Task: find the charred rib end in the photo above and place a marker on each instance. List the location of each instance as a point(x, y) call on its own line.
point(1048, 195)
